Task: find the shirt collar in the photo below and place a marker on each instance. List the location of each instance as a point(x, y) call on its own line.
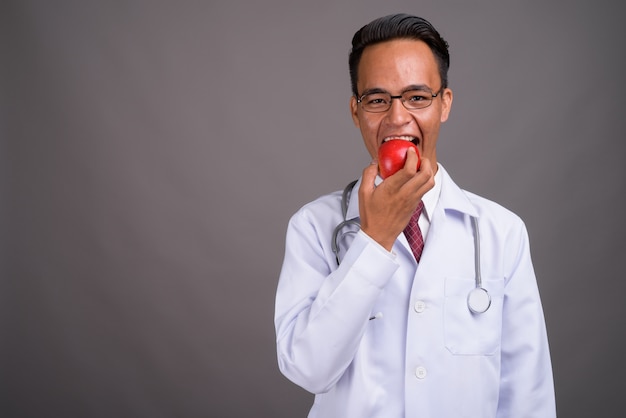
point(431, 197)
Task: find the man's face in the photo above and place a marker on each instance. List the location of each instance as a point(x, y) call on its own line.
point(395, 67)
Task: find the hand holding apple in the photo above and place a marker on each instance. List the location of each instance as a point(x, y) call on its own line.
point(392, 156)
point(385, 208)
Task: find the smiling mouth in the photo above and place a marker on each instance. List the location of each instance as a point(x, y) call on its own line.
point(415, 140)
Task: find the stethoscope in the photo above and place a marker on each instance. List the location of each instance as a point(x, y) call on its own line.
point(478, 299)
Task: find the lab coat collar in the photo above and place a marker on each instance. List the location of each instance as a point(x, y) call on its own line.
point(452, 197)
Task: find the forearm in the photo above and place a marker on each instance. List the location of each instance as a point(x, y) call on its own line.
point(320, 320)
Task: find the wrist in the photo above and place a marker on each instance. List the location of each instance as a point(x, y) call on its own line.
point(385, 242)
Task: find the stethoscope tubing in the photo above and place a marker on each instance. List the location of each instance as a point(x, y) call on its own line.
point(478, 299)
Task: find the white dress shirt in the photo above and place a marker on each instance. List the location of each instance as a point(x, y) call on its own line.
point(381, 336)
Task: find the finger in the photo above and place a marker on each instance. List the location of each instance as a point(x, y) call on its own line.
point(424, 180)
point(426, 166)
point(411, 161)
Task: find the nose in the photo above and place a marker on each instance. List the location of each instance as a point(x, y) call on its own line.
point(398, 115)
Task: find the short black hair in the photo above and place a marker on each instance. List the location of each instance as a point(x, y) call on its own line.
point(398, 26)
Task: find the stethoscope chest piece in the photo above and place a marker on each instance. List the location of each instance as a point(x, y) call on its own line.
point(478, 300)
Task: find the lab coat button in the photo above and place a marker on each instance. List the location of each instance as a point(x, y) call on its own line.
point(420, 372)
point(420, 306)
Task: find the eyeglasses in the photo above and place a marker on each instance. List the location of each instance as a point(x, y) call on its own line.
point(378, 102)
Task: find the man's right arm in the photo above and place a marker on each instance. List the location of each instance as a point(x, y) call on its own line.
point(320, 315)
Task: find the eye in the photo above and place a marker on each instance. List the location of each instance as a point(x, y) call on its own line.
point(376, 99)
point(415, 96)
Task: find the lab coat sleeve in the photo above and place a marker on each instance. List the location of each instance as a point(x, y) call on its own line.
point(527, 388)
point(321, 314)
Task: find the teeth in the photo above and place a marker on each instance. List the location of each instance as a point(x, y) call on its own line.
point(402, 137)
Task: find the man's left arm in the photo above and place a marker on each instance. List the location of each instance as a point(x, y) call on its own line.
point(526, 382)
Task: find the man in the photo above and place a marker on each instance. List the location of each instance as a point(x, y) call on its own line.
point(381, 328)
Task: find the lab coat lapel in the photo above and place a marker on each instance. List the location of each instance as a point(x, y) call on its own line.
point(452, 201)
point(353, 204)
point(453, 197)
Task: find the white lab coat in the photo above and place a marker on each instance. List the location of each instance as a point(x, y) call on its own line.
point(428, 355)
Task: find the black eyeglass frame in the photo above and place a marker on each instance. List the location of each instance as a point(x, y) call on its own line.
point(400, 97)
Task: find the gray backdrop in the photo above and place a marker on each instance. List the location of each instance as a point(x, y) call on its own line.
point(153, 152)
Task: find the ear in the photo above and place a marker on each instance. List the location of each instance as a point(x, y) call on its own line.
point(354, 111)
point(446, 104)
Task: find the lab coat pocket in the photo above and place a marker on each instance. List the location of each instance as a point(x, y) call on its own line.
point(468, 333)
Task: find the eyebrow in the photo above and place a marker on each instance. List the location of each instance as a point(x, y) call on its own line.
point(374, 90)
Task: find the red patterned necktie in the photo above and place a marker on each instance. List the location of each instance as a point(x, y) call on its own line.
point(414, 234)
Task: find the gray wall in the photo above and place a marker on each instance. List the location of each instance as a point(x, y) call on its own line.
point(152, 153)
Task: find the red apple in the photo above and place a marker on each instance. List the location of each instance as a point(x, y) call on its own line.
point(392, 156)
